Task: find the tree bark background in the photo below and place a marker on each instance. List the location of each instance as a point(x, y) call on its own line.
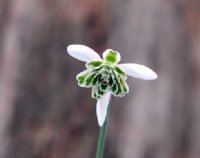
point(154, 114)
point(43, 112)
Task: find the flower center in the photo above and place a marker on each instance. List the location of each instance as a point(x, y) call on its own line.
point(103, 77)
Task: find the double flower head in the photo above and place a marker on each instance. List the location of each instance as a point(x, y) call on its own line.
point(105, 76)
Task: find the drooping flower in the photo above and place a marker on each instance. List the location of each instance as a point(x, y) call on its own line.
point(105, 76)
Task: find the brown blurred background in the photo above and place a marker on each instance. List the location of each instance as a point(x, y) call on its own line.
point(43, 112)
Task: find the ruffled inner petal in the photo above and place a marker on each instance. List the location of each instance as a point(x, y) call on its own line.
point(112, 57)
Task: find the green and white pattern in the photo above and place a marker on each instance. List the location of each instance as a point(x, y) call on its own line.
point(105, 76)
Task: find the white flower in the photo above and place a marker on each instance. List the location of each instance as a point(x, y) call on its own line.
point(105, 76)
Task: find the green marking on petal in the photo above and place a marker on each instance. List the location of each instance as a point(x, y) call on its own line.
point(97, 93)
point(117, 89)
point(124, 85)
point(114, 88)
point(100, 93)
point(94, 92)
point(95, 80)
point(94, 64)
point(88, 79)
point(121, 91)
point(81, 77)
point(104, 76)
point(103, 87)
point(120, 72)
point(111, 56)
point(112, 81)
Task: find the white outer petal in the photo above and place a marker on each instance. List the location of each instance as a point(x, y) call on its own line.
point(102, 106)
point(138, 71)
point(82, 53)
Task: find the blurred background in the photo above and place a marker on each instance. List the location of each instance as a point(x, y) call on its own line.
point(43, 112)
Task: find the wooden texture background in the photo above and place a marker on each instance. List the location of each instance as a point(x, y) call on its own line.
point(43, 112)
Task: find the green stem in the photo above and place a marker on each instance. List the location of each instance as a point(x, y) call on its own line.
point(102, 135)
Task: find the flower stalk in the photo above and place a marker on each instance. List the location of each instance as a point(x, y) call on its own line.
point(102, 135)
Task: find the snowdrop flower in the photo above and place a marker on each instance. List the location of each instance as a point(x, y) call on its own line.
point(105, 76)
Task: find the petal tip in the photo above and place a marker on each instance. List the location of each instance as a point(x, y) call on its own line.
point(139, 71)
point(100, 117)
point(152, 76)
point(69, 47)
point(155, 76)
point(100, 124)
point(101, 108)
point(82, 52)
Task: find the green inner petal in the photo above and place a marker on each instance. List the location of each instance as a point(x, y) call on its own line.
point(100, 92)
point(112, 57)
point(120, 72)
point(95, 80)
point(120, 89)
point(81, 77)
point(94, 64)
point(97, 93)
point(94, 89)
point(103, 77)
point(114, 88)
point(124, 85)
point(89, 79)
point(103, 87)
point(112, 81)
